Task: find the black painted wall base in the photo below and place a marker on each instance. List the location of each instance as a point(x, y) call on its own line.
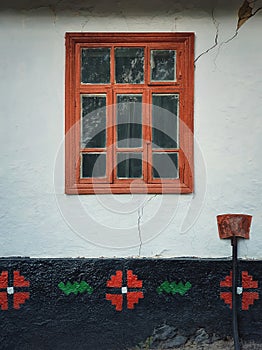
point(114, 304)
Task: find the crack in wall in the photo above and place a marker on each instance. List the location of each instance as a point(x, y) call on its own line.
point(57, 6)
point(122, 13)
point(223, 43)
point(246, 247)
point(83, 24)
point(242, 18)
point(51, 7)
point(245, 12)
point(53, 10)
point(159, 255)
point(139, 219)
point(140, 212)
point(216, 24)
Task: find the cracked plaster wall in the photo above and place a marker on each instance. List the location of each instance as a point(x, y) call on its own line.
point(38, 220)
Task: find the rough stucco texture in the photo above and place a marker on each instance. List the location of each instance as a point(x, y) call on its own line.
point(52, 319)
point(37, 219)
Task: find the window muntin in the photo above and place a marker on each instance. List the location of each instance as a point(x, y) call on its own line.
point(135, 114)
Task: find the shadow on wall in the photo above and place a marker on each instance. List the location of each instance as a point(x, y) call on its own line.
point(131, 7)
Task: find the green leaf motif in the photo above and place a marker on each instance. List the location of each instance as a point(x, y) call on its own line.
point(75, 287)
point(173, 287)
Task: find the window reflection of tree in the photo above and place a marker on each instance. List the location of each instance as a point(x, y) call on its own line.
point(93, 121)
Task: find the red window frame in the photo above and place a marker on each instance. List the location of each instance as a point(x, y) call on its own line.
point(183, 43)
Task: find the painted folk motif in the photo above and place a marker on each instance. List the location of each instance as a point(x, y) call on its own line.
point(130, 289)
point(13, 290)
point(75, 288)
point(247, 290)
point(125, 289)
point(174, 287)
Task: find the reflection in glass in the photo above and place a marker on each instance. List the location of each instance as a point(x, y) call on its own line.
point(163, 65)
point(129, 165)
point(165, 165)
point(165, 120)
point(129, 121)
point(129, 65)
point(93, 165)
point(93, 121)
point(95, 66)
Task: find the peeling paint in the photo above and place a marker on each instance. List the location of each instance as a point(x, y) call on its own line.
point(246, 11)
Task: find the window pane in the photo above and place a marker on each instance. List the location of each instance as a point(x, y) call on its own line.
point(93, 165)
point(95, 66)
point(129, 165)
point(129, 65)
point(165, 165)
point(163, 65)
point(93, 121)
point(165, 121)
point(129, 121)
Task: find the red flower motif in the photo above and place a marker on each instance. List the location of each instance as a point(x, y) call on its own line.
point(248, 298)
point(19, 297)
point(133, 296)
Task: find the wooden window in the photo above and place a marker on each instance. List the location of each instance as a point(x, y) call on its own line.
point(129, 113)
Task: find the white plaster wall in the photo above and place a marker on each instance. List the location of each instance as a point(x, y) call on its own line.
point(38, 220)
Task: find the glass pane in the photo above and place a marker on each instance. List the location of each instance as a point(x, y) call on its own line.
point(129, 121)
point(165, 121)
point(93, 165)
point(129, 65)
point(95, 66)
point(165, 165)
point(163, 65)
point(129, 165)
point(93, 121)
